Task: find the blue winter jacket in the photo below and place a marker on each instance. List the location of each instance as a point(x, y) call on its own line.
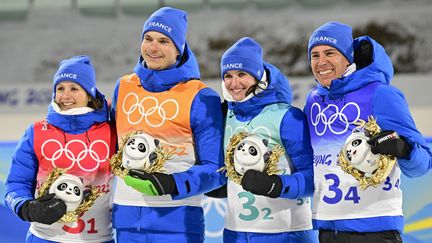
point(294, 131)
point(207, 134)
point(382, 101)
point(21, 181)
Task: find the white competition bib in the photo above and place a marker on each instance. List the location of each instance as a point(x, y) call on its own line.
point(254, 213)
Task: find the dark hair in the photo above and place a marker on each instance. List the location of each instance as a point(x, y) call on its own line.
point(97, 103)
point(253, 88)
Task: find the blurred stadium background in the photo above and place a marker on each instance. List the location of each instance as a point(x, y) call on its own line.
point(36, 34)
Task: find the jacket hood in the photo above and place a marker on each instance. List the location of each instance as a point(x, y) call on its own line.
point(160, 80)
point(277, 91)
point(76, 124)
point(373, 65)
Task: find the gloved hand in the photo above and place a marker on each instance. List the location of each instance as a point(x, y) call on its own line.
point(389, 143)
point(154, 184)
point(220, 192)
point(46, 209)
point(260, 183)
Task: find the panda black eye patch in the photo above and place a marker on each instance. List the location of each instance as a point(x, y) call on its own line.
point(141, 147)
point(131, 142)
point(240, 147)
point(62, 186)
point(77, 191)
point(253, 151)
point(356, 142)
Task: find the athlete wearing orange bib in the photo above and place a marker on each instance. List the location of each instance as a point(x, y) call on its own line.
point(164, 99)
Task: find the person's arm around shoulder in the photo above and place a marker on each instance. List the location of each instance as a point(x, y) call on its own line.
point(207, 127)
point(294, 133)
point(113, 106)
point(391, 111)
point(297, 184)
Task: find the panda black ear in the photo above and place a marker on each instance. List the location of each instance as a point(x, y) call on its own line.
point(156, 141)
point(266, 156)
point(87, 193)
point(266, 142)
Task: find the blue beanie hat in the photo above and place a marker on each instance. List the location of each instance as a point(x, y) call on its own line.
point(170, 22)
point(333, 34)
point(244, 55)
point(77, 69)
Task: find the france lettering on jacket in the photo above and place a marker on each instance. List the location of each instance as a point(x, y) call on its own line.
point(232, 66)
point(67, 75)
point(160, 25)
point(325, 38)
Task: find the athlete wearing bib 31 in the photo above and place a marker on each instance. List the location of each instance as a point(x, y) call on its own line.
point(354, 83)
point(75, 136)
point(165, 99)
point(265, 208)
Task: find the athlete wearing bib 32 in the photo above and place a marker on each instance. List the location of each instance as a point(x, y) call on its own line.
point(265, 208)
point(75, 136)
point(354, 83)
point(165, 99)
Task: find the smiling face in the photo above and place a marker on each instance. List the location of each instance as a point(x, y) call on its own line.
point(237, 83)
point(327, 64)
point(70, 95)
point(158, 51)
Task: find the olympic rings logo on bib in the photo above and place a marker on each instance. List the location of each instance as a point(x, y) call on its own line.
point(148, 108)
point(330, 117)
point(75, 152)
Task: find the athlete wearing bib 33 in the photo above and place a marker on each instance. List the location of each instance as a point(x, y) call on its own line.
point(353, 79)
point(263, 207)
point(165, 99)
point(74, 136)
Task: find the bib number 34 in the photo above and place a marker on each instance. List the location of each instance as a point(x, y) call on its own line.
point(338, 194)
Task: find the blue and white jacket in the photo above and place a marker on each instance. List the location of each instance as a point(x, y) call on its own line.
point(339, 203)
point(269, 115)
point(80, 143)
point(206, 123)
point(293, 130)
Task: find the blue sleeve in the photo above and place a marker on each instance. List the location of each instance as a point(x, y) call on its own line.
point(114, 102)
point(207, 128)
point(391, 111)
point(21, 180)
point(294, 133)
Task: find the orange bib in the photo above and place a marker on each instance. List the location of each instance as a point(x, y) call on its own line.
point(163, 115)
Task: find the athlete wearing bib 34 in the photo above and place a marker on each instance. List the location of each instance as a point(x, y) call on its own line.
point(265, 208)
point(75, 136)
point(165, 99)
point(354, 83)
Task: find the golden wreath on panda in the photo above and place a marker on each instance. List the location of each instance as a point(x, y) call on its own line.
point(71, 190)
point(248, 151)
point(356, 158)
point(139, 151)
